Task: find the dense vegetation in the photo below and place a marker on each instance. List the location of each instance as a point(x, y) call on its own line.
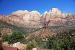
point(15, 37)
point(62, 41)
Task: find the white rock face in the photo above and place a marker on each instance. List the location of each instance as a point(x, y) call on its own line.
point(54, 13)
point(20, 12)
point(55, 16)
point(28, 18)
point(55, 10)
point(25, 18)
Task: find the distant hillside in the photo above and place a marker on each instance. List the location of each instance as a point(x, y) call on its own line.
point(29, 22)
point(15, 28)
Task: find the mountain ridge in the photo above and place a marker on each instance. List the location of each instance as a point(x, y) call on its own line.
point(34, 19)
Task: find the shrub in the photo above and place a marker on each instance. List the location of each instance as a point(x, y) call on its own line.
point(62, 41)
point(15, 37)
point(31, 44)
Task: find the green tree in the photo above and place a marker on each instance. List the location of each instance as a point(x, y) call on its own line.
point(31, 44)
point(15, 37)
point(62, 41)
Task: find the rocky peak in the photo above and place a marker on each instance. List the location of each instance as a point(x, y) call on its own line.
point(34, 18)
point(55, 10)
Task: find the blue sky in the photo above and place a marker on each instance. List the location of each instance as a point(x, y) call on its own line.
point(9, 6)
